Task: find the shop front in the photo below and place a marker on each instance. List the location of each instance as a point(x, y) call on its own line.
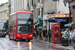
point(59, 18)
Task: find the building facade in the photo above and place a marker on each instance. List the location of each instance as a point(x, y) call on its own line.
point(18, 5)
point(36, 6)
point(72, 5)
point(33, 8)
point(53, 7)
point(4, 13)
point(9, 5)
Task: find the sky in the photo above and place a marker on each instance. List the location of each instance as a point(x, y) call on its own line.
point(3, 1)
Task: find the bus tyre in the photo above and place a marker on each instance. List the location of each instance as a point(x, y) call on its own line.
point(14, 38)
point(28, 40)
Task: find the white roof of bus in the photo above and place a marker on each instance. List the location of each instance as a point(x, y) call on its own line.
point(18, 11)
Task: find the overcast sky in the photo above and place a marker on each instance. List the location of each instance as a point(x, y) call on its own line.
point(3, 1)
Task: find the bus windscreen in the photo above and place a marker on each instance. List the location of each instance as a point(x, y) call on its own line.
point(24, 23)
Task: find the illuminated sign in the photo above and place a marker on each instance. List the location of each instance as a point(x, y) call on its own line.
point(60, 20)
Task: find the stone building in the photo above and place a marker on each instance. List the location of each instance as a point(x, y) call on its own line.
point(18, 5)
point(36, 6)
point(53, 7)
point(4, 13)
point(72, 5)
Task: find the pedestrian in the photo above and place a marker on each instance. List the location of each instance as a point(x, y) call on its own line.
point(61, 35)
point(37, 34)
point(44, 34)
point(65, 37)
point(74, 35)
point(71, 37)
point(66, 33)
point(49, 33)
point(40, 34)
point(34, 33)
point(62, 32)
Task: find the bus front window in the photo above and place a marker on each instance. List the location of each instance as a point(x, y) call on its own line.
point(24, 23)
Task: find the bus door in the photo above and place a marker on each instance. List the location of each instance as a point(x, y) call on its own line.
point(14, 30)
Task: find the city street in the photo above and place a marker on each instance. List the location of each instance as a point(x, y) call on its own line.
point(6, 44)
point(46, 24)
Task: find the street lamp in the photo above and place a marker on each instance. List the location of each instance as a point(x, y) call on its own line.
point(49, 28)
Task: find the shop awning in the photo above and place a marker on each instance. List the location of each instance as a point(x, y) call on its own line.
point(69, 24)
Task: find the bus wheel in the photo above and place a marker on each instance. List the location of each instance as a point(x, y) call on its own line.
point(28, 40)
point(14, 38)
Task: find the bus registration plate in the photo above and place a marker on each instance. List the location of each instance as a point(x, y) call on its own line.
point(24, 38)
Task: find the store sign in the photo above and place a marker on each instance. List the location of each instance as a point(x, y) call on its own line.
point(60, 20)
point(51, 20)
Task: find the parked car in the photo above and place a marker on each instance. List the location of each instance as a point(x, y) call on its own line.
point(2, 33)
point(3, 28)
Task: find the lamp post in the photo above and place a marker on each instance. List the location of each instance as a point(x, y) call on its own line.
point(49, 30)
point(69, 14)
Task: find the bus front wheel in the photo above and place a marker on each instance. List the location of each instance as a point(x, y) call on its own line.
point(14, 38)
point(28, 40)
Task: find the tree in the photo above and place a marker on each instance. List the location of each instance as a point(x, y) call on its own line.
point(4, 4)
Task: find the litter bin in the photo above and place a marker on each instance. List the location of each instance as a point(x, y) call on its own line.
point(65, 41)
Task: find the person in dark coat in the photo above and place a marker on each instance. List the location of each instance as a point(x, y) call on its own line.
point(37, 33)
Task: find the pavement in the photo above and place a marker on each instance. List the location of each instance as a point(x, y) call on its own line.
point(70, 47)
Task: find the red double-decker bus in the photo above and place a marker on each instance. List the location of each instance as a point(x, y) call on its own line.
point(21, 25)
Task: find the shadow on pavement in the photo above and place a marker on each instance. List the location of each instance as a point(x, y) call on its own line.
point(23, 40)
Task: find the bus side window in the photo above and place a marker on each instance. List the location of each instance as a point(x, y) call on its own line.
point(11, 29)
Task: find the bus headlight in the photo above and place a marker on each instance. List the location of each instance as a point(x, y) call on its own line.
point(31, 35)
point(18, 35)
